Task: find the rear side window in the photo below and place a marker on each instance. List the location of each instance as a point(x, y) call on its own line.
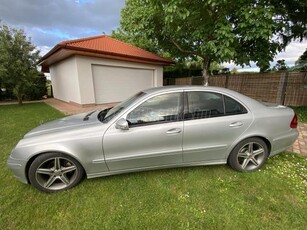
point(201, 105)
point(232, 107)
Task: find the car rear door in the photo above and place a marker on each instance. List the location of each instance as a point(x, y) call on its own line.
point(212, 123)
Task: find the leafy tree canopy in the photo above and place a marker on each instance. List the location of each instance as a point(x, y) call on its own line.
point(302, 59)
point(18, 58)
point(301, 63)
point(214, 30)
point(291, 18)
point(280, 65)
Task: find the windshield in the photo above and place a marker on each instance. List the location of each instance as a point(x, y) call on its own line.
point(107, 114)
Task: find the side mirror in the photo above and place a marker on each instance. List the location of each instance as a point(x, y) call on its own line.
point(122, 124)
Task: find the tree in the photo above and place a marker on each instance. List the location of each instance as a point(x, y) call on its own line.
point(292, 15)
point(18, 58)
point(302, 59)
point(216, 68)
point(37, 88)
point(301, 63)
point(214, 30)
point(234, 71)
point(138, 40)
point(280, 65)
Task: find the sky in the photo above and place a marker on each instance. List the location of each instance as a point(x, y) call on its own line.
point(48, 22)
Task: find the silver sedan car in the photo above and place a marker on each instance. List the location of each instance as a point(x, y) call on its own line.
point(156, 128)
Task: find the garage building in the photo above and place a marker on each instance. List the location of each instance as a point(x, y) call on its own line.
point(101, 69)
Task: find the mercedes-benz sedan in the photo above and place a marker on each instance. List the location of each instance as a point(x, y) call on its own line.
point(156, 128)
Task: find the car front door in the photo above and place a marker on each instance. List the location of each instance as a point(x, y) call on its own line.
point(212, 123)
point(154, 136)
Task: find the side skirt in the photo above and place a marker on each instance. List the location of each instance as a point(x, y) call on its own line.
point(94, 175)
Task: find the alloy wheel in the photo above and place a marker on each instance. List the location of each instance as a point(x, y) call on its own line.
point(251, 155)
point(56, 173)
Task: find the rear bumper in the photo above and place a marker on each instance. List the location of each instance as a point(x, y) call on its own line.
point(18, 167)
point(284, 142)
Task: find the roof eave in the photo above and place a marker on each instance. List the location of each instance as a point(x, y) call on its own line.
point(165, 61)
point(58, 47)
point(51, 52)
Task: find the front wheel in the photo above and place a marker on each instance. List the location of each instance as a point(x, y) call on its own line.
point(52, 172)
point(248, 155)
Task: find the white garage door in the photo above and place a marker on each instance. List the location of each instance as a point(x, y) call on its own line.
point(114, 84)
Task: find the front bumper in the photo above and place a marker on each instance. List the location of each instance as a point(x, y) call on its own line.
point(18, 167)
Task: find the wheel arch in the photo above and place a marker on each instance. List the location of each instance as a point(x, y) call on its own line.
point(249, 154)
point(30, 161)
point(266, 141)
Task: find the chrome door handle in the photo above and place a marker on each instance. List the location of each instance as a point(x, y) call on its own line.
point(173, 131)
point(236, 124)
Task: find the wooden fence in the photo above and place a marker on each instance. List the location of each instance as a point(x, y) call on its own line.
point(285, 88)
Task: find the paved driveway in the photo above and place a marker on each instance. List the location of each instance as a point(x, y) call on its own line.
point(70, 109)
point(300, 145)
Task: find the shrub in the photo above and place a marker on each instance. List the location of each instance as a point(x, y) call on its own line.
point(37, 89)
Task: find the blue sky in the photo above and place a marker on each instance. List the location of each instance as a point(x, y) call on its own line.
point(49, 22)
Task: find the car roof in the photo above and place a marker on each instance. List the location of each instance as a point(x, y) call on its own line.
point(244, 99)
point(192, 88)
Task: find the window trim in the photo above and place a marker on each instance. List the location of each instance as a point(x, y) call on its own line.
point(179, 115)
point(186, 105)
point(235, 101)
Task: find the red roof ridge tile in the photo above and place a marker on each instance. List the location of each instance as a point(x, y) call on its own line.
point(66, 42)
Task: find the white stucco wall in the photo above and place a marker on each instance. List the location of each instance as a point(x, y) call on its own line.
point(85, 74)
point(72, 78)
point(65, 83)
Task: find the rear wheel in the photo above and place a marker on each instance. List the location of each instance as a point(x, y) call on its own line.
point(52, 172)
point(248, 155)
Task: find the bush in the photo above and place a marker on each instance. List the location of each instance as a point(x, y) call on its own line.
point(6, 94)
point(183, 72)
point(37, 89)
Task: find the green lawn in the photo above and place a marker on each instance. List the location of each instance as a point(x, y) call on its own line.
point(301, 112)
point(212, 197)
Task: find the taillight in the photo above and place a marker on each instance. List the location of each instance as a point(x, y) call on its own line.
point(293, 123)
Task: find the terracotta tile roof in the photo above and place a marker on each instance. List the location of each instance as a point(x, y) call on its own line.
point(105, 46)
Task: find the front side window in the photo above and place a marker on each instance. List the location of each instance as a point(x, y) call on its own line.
point(158, 109)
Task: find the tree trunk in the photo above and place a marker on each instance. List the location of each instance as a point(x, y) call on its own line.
point(19, 98)
point(206, 66)
point(18, 95)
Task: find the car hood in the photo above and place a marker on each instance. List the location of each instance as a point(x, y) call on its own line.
point(66, 123)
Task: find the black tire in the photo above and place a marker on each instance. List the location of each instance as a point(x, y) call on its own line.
point(249, 155)
point(53, 172)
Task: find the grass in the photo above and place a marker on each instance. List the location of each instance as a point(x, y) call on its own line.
point(301, 112)
point(211, 197)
